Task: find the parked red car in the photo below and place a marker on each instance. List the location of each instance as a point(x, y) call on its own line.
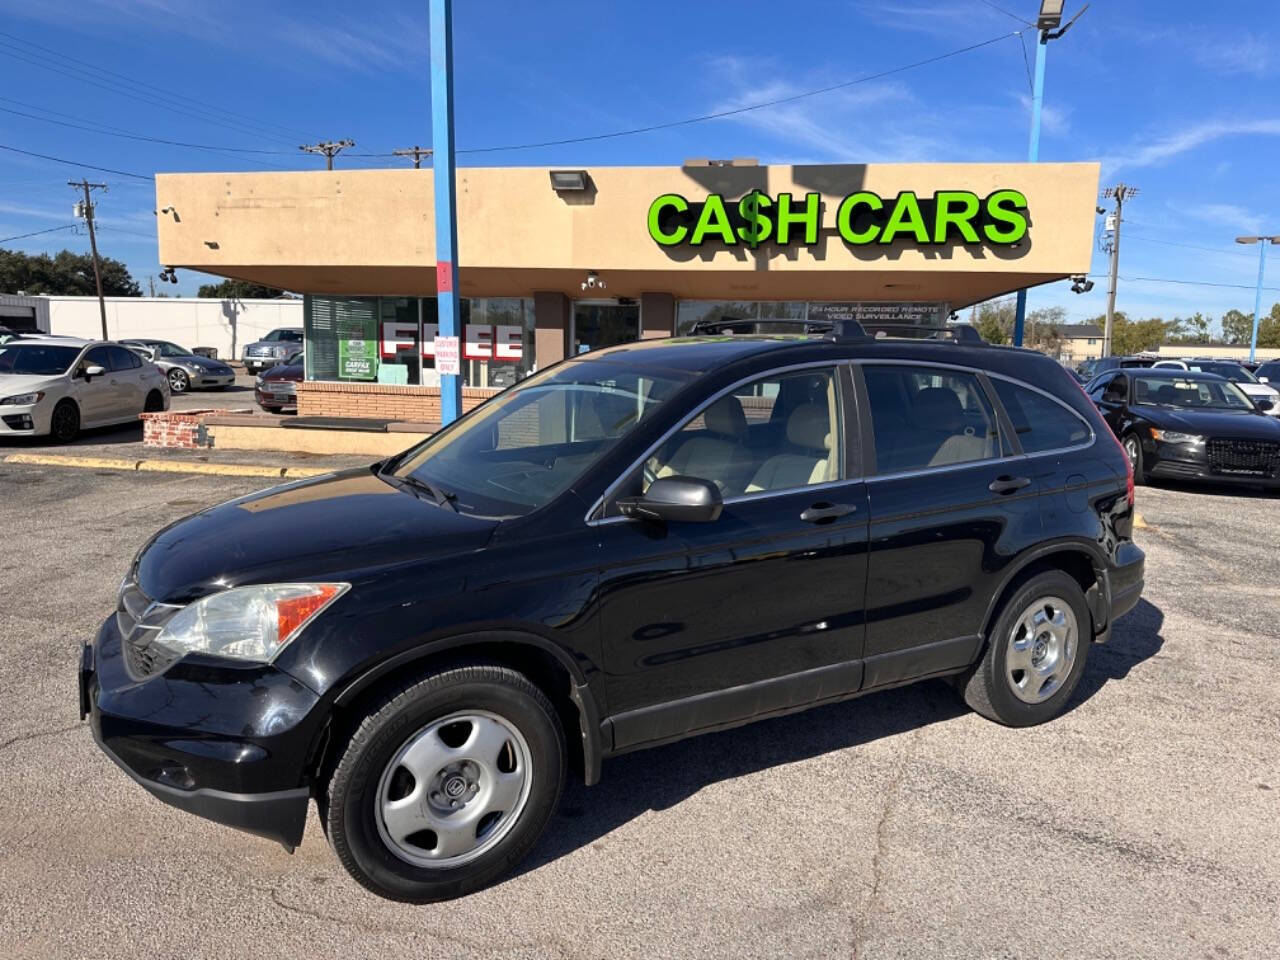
point(276, 389)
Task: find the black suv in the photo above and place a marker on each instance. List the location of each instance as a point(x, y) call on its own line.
point(633, 546)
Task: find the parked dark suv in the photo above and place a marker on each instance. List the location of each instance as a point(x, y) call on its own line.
point(633, 546)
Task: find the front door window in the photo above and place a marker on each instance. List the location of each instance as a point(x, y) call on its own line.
point(597, 325)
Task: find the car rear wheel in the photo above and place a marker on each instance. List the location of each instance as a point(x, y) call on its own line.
point(446, 784)
point(65, 422)
point(1133, 450)
point(154, 403)
point(1035, 653)
point(179, 382)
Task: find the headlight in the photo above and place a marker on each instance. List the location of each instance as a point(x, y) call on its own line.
point(24, 399)
point(1173, 436)
point(248, 623)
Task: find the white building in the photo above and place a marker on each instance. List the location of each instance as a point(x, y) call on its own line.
point(226, 325)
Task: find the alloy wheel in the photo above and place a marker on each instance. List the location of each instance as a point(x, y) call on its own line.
point(454, 789)
point(1042, 649)
point(178, 381)
point(65, 423)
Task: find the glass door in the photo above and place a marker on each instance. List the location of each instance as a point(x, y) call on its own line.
point(604, 323)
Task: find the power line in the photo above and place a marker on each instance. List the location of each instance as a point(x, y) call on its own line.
point(74, 163)
point(116, 132)
point(1193, 283)
point(1022, 43)
point(36, 233)
point(988, 3)
point(116, 88)
point(1187, 246)
point(721, 114)
point(169, 94)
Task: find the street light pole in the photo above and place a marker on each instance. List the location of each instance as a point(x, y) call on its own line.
point(448, 309)
point(1033, 156)
point(1257, 300)
point(1049, 18)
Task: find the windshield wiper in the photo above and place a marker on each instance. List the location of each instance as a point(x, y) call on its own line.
point(439, 496)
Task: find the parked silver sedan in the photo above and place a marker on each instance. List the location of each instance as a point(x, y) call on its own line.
point(184, 369)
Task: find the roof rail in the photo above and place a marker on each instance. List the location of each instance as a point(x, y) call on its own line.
point(958, 333)
point(748, 325)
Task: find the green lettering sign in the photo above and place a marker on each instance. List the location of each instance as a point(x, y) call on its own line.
point(862, 218)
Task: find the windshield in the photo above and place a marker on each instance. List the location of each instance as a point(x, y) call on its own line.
point(36, 358)
point(1228, 371)
point(165, 349)
point(1190, 394)
point(293, 336)
point(1269, 371)
point(527, 445)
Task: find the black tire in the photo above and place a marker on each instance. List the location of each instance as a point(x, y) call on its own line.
point(154, 402)
point(989, 686)
point(179, 382)
point(1133, 450)
point(352, 806)
point(64, 424)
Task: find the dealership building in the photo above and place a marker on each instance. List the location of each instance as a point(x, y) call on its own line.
point(557, 261)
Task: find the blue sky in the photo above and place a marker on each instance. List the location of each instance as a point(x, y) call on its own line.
point(1179, 98)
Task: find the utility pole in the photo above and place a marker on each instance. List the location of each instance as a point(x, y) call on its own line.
point(447, 305)
point(1049, 18)
point(1119, 193)
point(85, 209)
point(416, 152)
point(330, 149)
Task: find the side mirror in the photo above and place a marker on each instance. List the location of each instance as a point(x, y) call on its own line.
point(93, 371)
point(687, 499)
point(1265, 404)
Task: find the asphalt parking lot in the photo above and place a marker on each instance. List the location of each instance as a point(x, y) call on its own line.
point(1143, 823)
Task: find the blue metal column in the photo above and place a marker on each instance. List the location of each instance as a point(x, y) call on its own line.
point(446, 206)
point(1033, 156)
point(1257, 300)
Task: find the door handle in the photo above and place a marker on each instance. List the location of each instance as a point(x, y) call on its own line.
point(826, 512)
point(1008, 484)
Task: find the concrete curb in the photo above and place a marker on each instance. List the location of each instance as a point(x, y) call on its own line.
point(163, 466)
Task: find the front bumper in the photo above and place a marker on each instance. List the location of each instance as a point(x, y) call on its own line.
point(203, 379)
point(231, 744)
point(1180, 461)
point(268, 396)
point(254, 364)
point(14, 419)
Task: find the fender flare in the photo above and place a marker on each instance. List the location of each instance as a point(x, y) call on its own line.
point(1098, 600)
point(579, 692)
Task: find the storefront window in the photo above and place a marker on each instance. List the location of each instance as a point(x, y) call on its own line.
point(690, 312)
point(391, 340)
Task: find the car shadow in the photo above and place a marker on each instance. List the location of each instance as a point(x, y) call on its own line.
point(1202, 488)
point(663, 777)
point(93, 437)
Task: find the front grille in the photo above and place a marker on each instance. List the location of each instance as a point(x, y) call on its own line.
point(1251, 458)
point(140, 620)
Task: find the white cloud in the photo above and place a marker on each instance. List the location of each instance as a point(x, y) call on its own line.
point(876, 122)
point(1159, 149)
point(1054, 121)
point(1227, 215)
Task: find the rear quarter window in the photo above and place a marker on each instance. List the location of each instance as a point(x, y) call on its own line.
point(1040, 422)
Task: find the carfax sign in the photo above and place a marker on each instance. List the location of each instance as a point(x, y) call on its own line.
point(861, 219)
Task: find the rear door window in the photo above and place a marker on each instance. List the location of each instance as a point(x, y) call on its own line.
point(1040, 422)
point(925, 417)
point(122, 359)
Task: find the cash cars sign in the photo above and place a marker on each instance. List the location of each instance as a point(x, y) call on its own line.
point(861, 219)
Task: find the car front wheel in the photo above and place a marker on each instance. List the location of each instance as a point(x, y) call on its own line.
point(1035, 653)
point(446, 784)
point(179, 382)
point(65, 421)
point(1133, 450)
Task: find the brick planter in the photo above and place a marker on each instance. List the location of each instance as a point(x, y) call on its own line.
point(175, 429)
point(379, 400)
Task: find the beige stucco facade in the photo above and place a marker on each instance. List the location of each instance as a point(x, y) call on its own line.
point(371, 232)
